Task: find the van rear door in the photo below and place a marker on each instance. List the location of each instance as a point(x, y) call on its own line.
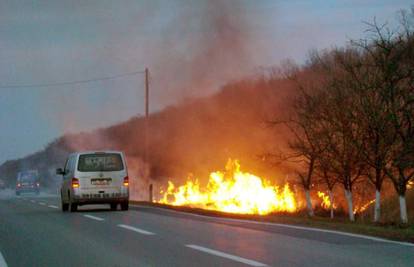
point(101, 171)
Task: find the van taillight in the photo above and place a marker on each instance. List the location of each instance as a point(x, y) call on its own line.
point(75, 183)
point(126, 181)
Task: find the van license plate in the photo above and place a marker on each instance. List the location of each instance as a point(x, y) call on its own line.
point(100, 181)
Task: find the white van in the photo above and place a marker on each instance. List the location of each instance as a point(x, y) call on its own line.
point(93, 177)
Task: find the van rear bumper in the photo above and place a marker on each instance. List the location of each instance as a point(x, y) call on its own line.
point(101, 201)
point(101, 198)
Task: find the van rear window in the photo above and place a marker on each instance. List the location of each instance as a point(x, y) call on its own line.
point(100, 162)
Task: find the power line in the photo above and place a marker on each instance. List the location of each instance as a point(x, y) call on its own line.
point(71, 82)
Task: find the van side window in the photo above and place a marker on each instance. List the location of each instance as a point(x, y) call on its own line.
point(71, 161)
point(73, 166)
point(67, 165)
point(70, 165)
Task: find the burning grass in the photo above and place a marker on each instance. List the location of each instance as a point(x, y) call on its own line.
point(233, 191)
point(236, 191)
point(325, 201)
point(325, 204)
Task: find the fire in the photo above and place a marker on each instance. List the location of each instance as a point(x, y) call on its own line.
point(363, 207)
point(325, 202)
point(232, 191)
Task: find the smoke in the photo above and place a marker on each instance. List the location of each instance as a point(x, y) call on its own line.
point(205, 45)
point(199, 48)
point(190, 49)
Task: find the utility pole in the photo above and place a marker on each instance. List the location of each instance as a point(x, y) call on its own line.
point(146, 92)
point(146, 115)
point(146, 130)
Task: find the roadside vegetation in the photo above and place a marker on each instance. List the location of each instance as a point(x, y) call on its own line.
point(352, 118)
point(389, 228)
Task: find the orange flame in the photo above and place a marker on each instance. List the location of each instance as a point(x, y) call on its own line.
point(363, 207)
point(232, 191)
point(325, 202)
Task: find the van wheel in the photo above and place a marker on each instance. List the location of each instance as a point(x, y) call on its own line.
point(114, 206)
point(124, 206)
point(72, 206)
point(65, 206)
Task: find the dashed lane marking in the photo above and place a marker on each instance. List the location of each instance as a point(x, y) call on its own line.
point(135, 229)
point(2, 261)
point(93, 217)
point(226, 255)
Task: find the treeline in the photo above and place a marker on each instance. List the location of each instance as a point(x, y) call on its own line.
point(353, 115)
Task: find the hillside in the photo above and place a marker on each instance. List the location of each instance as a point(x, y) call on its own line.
point(197, 135)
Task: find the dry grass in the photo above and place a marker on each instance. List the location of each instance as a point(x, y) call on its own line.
point(390, 210)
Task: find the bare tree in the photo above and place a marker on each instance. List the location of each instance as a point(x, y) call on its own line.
point(306, 177)
point(326, 178)
point(353, 117)
point(336, 118)
point(390, 107)
point(346, 164)
point(369, 114)
point(301, 124)
point(303, 155)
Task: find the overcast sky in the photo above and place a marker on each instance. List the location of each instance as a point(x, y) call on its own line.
point(190, 47)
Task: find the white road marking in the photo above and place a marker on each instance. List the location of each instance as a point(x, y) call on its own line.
point(93, 217)
point(227, 256)
point(218, 219)
point(32, 201)
point(42, 203)
point(53, 206)
point(3, 262)
point(141, 231)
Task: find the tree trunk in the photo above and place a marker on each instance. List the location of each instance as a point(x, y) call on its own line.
point(331, 200)
point(348, 195)
point(403, 209)
point(309, 202)
point(377, 211)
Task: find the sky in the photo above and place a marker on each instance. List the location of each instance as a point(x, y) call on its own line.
point(190, 48)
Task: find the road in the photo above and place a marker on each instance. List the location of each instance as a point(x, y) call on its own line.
point(34, 232)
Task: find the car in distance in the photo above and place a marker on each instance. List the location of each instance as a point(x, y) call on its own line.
point(27, 182)
point(2, 184)
point(97, 177)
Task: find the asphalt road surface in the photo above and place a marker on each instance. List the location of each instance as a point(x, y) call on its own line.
point(34, 232)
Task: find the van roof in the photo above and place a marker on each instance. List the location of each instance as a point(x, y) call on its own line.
point(96, 152)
